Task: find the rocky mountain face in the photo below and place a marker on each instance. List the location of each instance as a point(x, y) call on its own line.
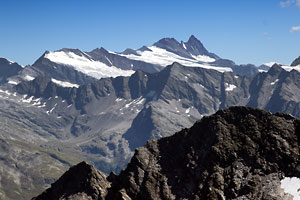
point(104, 121)
point(237, 153)
point(8, 69)
point(58, 112)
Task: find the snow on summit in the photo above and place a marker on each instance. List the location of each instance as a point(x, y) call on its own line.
point(290, 68)
point(86, 65)
point(163, 57)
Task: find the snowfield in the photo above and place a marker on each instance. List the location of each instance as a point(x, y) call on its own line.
point(162, 57)
point(86, 65)
point(291, 186)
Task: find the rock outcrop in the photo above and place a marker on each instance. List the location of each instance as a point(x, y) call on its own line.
point(82, 181)
point(237, 153)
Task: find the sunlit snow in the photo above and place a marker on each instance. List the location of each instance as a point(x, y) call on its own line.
point(229, 87)
point(262, 70)
point(28, 78)
point(86, 65)
point(291, 186)
point(163, 57)
point(273, 83)
point(187, 110)
point(290, 68)
point(13, 82)
point(64, 83)
point(204, 58)
point(270, 64)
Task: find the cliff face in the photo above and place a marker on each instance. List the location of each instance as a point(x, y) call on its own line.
point(237, 153)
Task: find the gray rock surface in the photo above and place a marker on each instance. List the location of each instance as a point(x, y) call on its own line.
point(8, 69)
point(236, 153)
point(104, 121)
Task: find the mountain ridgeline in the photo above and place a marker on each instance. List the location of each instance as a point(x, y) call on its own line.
point(237, 153)
point(100, 106)
point(200, 90)
point(79, 67)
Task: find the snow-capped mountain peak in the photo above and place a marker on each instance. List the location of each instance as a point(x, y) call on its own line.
point(270, 64)
point(168, 50)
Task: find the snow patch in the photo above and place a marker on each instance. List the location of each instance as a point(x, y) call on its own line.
point(108, 61)
point(291, 185)
point(138, 101)
point(262, 70)
point(183, 45)
point(42, 106)
point(12, 82)
point(118, 99)
point(229, 87)
point(29, 100)
point(187, 110)
point(203, 58)
point(50, 111)
point(273, 83)
point(28, 78)
point(64, 83)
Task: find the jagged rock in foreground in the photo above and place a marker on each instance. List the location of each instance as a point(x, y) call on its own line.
point(237, 153)
point(82, 181)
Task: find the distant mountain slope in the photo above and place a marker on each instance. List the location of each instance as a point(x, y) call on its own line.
point(191, 53)
point(8, 69)
point(74, 66)
point(237, 153)
point(296, 62)
point(183, 93)
point(65, 115)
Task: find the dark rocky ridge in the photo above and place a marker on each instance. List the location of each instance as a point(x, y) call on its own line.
point(237, 153)
point(82, 181)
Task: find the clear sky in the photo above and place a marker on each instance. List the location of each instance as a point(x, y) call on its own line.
point(246, 31)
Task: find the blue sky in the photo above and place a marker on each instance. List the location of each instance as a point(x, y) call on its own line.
point(248, 31)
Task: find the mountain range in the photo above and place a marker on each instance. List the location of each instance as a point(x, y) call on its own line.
point(99, 106)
